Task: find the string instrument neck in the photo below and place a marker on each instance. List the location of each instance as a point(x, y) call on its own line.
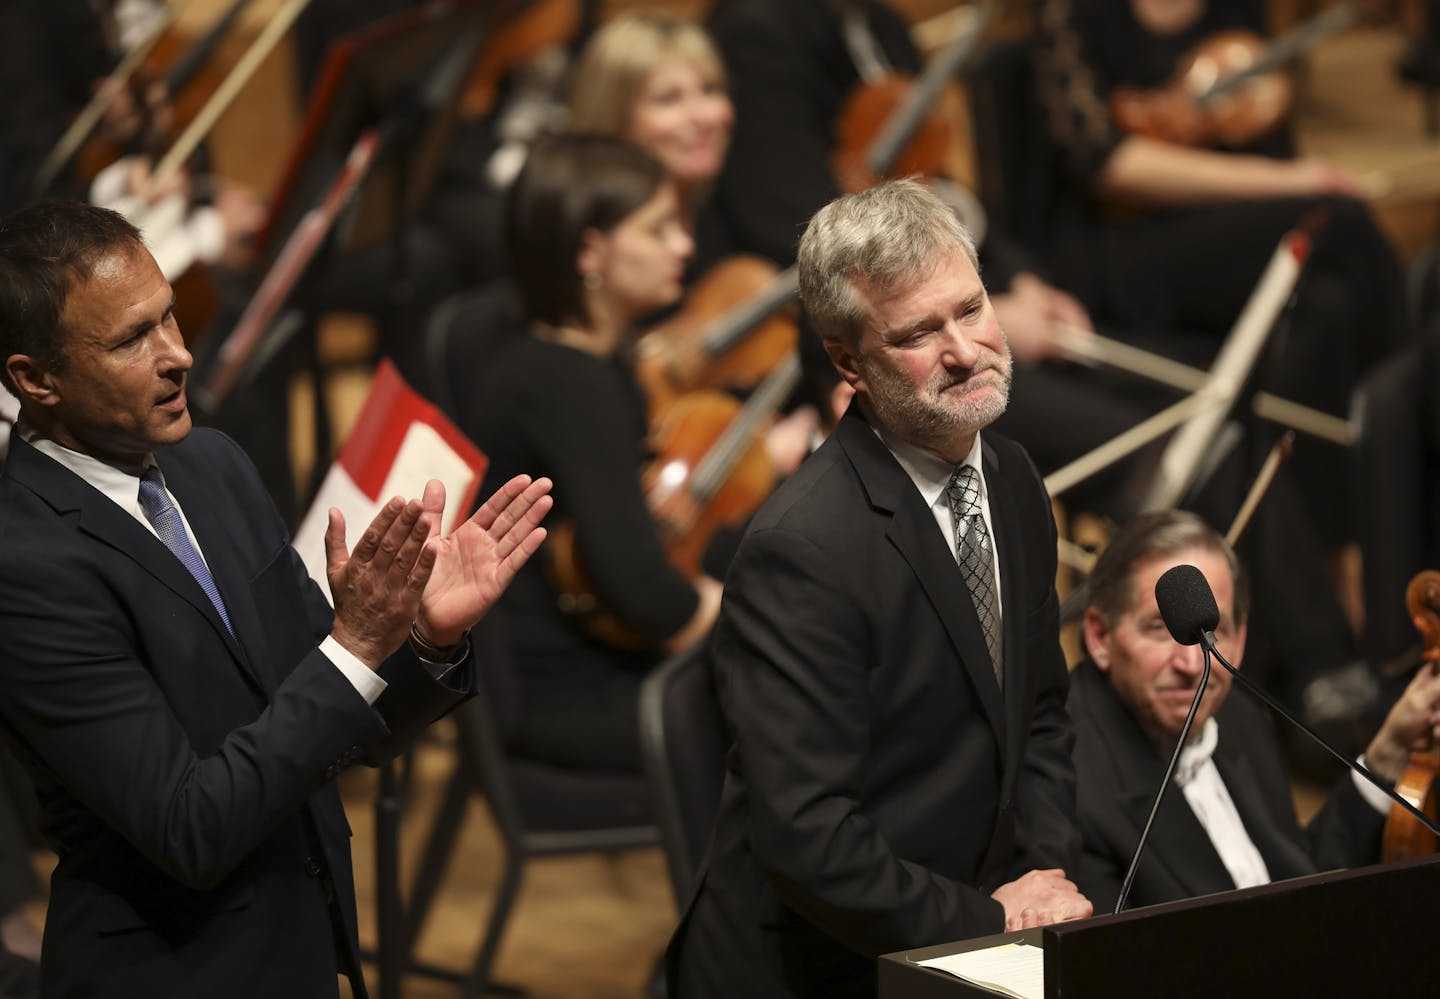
point(1405, 836)
point(1229, 90)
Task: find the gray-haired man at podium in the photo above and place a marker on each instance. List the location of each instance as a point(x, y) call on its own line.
point(887, 653)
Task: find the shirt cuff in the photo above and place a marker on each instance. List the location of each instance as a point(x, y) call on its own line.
point(366, 681)
point(1374, 797)
point(438, 668)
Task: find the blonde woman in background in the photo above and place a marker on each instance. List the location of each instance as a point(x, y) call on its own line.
point(658, 82)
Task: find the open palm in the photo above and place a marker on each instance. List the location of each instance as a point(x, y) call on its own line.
point(476, 562)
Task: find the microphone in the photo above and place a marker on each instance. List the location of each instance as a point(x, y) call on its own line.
point(1188, 608)
point(1194, 616)
point(1187, 605)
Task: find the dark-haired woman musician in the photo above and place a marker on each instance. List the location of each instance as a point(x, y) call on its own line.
point(596, 242)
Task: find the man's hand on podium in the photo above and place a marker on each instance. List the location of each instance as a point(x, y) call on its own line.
point(1039, 898)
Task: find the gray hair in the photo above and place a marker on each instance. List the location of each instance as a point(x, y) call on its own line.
point(884, 235)
point(1157, 535)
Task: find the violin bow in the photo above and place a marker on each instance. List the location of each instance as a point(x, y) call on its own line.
point(1286, 48)
point(224, 95)
point(1213, 393)
point(1277, 457)
point(1085, 347)
point(105, 95)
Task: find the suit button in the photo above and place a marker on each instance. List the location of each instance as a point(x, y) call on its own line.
point(312, 867)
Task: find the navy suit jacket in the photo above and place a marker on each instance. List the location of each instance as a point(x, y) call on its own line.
point(185, 775)
point(881, 784)
point(1119, 770)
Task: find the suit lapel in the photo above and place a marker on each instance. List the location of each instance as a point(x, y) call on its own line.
point(1283, 857)
point(1013, 585)
point(913, 532)
point(224, 561)
point(111, 526)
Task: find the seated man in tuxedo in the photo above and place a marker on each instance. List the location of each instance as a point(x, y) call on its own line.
point(177, 686)
point(887, 653)
point(1231, 822)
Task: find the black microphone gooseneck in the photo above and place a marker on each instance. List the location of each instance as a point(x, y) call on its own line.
point(1164, 785)
point(1179, 745)
point(1188, 608)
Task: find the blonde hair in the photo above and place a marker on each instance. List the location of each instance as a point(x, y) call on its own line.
point(619, 58)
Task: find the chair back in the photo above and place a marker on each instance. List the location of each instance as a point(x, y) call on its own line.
point(462, 335)
point(683, 745)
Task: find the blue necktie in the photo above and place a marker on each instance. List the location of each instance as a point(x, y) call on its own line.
point(163, 516)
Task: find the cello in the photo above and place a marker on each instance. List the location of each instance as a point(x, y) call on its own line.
point(711, 343)
point(890, 126)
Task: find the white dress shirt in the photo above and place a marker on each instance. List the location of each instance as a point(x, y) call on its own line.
point(1199, 778)
point(1205, 790)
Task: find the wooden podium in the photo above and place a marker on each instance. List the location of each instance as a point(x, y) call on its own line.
point(1363, 933)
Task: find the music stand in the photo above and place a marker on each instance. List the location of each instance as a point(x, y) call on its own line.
point(365, 74)
point(369, 82)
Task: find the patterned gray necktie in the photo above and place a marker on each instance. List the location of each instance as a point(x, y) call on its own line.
point(976, 555)
point(163, 516)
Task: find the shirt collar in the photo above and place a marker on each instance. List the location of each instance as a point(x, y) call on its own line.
point(119, 486)
point(1197, 752)
point(931, 474)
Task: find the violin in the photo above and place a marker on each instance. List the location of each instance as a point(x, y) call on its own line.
point(893, 127)
point(171, 84)
point(712, 343)
point(710, 470)
point(1229, 90)
point(1404, 835)
point(936, 149)
point(538, 28)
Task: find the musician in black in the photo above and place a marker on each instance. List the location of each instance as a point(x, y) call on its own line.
point(596, 242)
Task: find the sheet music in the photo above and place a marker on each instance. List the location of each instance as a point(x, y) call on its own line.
point(1013, 969)
point(424, 455)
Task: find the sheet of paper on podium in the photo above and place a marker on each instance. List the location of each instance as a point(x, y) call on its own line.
point(399, 442)
point(1012, 969)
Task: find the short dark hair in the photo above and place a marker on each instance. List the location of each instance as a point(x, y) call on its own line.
point(45, 251)
point(570, 183)
point(1153, 535)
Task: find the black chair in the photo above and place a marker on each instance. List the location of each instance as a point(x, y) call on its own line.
point(1396, 468)
point(683, 746)
point(463, 332)
point(539, 809)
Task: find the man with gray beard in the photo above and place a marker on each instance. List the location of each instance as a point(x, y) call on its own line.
point(887, 654)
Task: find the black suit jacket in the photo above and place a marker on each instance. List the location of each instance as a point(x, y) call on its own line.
point(184, 775)
point(1119, 770)
point(881, 784)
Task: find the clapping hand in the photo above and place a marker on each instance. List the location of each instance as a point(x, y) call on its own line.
point(476, 562)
